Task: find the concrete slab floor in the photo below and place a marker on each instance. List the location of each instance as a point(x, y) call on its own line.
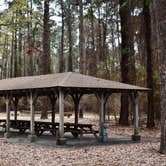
point(49, 140)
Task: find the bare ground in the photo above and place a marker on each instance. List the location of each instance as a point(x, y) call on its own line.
point(145, 153)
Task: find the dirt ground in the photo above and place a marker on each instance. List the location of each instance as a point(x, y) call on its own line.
point(145, 153)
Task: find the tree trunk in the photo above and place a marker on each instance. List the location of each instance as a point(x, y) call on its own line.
point(161, 41)
point(45, 60)
point(61, 56)
point(15, 55)
point(30, 41)
point(81, 38)
point(20, 53)
point(149, 65)
point(12, 55)
point(70, 40)
point(127, 57)
point(92, 66)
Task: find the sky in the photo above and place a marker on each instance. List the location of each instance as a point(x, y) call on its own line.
point(2, 5)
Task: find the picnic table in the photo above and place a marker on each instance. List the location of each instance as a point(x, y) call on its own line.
point(41, 127)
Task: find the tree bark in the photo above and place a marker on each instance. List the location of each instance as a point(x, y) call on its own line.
point(160, 6)
point(127, 58)
point(61, 56)
point(81, 38)
point(15, 55)
point(45, 60)
point(92, 66)
point(149, 65)
point(30, 41)
point(70, 39)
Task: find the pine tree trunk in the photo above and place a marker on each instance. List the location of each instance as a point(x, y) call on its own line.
point(61, 56)
point(127, 58)
point(20, 53)
point(15, 55)
point(45, 60)
point(30, 41)
point(12, 55)
point(70, 40)
point(160, 6)
point(149, 68)
point(81, 38)
point(92, 66)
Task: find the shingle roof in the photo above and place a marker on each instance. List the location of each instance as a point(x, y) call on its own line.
point(68, 79)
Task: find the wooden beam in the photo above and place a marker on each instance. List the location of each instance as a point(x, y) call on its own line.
point(61, 113)
point(136, 116)
point(136, 136)
point(102, 109)
point(32, 137)
point(61, 140)
point(8, 103)
point(7, 113)
point(102, 98)
point(32, 114)
point(76, 99)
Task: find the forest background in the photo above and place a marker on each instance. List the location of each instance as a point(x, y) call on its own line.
point(115, 40)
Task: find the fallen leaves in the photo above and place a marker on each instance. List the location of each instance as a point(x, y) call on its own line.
point(126, 154)
point(144, 153)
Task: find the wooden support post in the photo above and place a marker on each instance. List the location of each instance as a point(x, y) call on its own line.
point(76, 99)
point(61, 140)
point(136, 136)
point(8, 102)
point(102, 110)
point(32, 117)
point(15, 107)
point(102, 98)
point(32, 136)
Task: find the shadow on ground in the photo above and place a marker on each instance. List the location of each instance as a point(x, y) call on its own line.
point(48, 140)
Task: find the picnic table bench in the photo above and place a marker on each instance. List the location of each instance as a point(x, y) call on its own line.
point(3, 123)
point(41, 127)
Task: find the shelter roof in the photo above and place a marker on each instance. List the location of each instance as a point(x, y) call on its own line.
point(64, 80)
